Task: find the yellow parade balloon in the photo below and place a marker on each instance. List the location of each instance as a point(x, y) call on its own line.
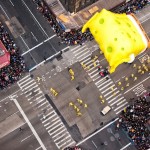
point(119, 37)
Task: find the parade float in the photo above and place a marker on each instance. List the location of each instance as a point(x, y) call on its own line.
point(119, 36)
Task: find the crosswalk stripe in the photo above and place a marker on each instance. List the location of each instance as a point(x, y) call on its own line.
point(30, 89)
point(59, 137)
point(52, 124)
point(56, 126)
point(96, 78)
point(98, 82)
point(20, 83)
point(70, 144)
point(79, 49)
point(106, 85)
point(85, 60)
point(105, 82)
point(94, 75)
point(121, 102)
point(114, 98)
point(111, 96)
point(46, 124)
point(48, 118)
point(40, 101)
point(109, 89)
point(59, 133)
point(75, 48)
point(27, 83)
point(42, 104)
point(24, 78)
point(116, 101)
point(92, 72)
point(51, 133)
point(29, 86)
point(81, 52)
point(110, 92)
point(121, 109)
point(84, 57)
point(63, 140)
point(120, 106)
point(38, 98)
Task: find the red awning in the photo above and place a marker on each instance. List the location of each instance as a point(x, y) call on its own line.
point(4, 56)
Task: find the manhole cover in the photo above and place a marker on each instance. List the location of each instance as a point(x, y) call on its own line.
point(112, 138)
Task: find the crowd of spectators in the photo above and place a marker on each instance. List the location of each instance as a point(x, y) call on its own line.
point(12, 72)
point(135, 121)
point(133, 6)
point(74, 37)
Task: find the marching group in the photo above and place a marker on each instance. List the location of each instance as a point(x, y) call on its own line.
point(12, 72)
point(135, 121)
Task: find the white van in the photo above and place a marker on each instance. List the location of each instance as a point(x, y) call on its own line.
point(105, 110)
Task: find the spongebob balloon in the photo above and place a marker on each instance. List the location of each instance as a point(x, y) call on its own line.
point(119, 36)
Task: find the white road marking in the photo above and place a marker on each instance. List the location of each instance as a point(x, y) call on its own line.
point(65, 48)
point(29, 124)
point(94, 144)
point(4, 12)
point(97, 132)
point(83, 55)
point(121, 106)
point(34, 17)
point(82, 51)
point(115, 100)
point(43, 61)
point(106, 85)
point(24, 42)
point(11, 2)
point(111, 95)
point(59, 137)
point(26, 138)
point(59, 133)
point(34, 36)
point(38, 45)
point(9, 95)
point(136, 85)
point(125, 146)
point(75, 48)
point(38, 148)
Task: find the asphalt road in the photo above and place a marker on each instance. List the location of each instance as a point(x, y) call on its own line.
point(38, 42)
point(33, 56)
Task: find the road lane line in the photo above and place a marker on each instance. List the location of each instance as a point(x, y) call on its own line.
point(29, 123)
point(34, 17)
point(136, 85)
point(26, 138)
point(97, 132)
point(94, 144)
point(4, 12)
point(38, 148)
point(11, 2)
point(34, 36)
point(24, 42)
point(9, 95)
point(125, 146)
point(65, 48)
point(38, 45)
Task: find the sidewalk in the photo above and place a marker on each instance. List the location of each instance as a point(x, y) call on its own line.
point(71, 20)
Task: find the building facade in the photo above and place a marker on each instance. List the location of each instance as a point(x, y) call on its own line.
point(73, 6)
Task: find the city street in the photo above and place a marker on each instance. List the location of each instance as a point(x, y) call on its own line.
point(39, 111)
point(37, 41)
